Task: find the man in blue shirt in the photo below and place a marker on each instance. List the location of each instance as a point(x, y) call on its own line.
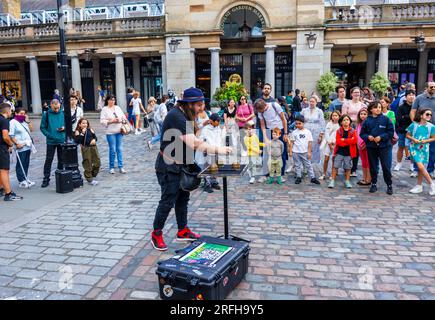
point(341, 99)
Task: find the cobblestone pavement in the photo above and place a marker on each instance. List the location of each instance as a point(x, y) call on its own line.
point(308, 242)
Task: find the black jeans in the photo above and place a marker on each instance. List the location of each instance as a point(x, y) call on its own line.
point(383, 155)
point(172, 196)
point(355, 162)
point(51, 149)
point(25, 161)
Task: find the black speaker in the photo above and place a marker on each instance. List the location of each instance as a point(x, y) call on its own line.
point(69, 155)
point(64, 181)
point(77, 179)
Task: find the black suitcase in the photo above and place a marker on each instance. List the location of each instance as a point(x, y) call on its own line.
point(209, 269)
point(64, 181)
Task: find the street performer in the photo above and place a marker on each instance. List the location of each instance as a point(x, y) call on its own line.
point(177, 146)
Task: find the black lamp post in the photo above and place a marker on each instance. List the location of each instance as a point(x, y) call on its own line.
point(69, 148)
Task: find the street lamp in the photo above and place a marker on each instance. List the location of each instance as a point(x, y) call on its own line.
point(89, 53)
point(69, 156)
point(420, 42)
point(311, 39)
point(245, 30)
point(349, 57)
point(173, 44)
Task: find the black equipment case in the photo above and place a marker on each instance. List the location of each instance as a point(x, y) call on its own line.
point(64, 181)
point(183, 280)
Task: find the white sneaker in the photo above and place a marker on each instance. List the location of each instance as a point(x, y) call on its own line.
point(262, 179)
point(411, 167)
point(137, 132)
point(112, 171)
point(93, 183)
point(252, 180)
point(31, 183)
point(283, 179)
point(417, 189)
point(121, 170)
point(414, 174)
point(150, 146)
point(432, 189)
point(398, 166)
point(432, 175)
point(322, 177)
point(290, 169)
point(354, 175)
point(24, 185)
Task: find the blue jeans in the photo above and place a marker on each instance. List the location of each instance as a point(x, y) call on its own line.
point(115, 148)
point(431, 164)
point(25, 161)
point(156, 138)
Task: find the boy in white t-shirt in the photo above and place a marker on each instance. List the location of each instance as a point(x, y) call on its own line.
point(301, 141)
point(137, 105)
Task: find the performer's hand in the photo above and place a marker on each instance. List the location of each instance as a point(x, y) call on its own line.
point(225, 150)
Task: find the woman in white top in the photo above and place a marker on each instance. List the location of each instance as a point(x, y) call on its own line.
point(315, 122)
point(112, 117)
point(76, 112)
point(137, 105)
point(19, 131)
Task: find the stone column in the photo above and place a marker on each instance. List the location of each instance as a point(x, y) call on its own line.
point(136, 73)
point(164, 73)
point(96, 78)
point(422, 70)
point(371, 65)
point(58, 76)
point(247, 71)
point(327, 53)
point(34, 85)
point(193, 66)
point(270, 66)
point(215, 71)
point(23, 82)
point(383, 58)
point(76, 78)
point(294, 46)
point(120, 81)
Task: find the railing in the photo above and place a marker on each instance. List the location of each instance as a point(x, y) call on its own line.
point(388, 13)
point(77, 29)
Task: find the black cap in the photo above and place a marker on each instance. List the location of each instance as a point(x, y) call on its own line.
point(410, 91)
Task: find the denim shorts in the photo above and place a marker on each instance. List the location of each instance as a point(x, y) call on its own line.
point(402, 140)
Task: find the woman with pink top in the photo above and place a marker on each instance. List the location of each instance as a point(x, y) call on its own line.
point(351, 108)
point(245, 112)
point(362, 150)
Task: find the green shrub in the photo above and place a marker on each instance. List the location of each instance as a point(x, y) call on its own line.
point(326, 84)
point(379, 84)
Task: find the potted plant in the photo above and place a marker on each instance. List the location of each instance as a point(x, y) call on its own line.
point(379, 84)
point(326, 85)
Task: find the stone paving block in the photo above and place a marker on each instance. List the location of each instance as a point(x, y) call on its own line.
point(8, 293)
point(78, 289)
point(63, 296)
point(103, 262)
point(86, 279)
point(4, 280)
point(144, 295)
point(99, 271)
point(31, 295)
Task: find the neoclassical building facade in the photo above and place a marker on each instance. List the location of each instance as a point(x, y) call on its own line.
point(156, 45)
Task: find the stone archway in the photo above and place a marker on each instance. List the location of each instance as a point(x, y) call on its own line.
point(252, 7)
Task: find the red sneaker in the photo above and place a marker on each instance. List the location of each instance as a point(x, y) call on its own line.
point(187, 235)
point(157, 240)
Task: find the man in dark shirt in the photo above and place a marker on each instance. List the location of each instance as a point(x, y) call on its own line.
point(296, 109)
point(403, 122)
point(6, 145)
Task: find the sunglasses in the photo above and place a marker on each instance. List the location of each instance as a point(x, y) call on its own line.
point(428, 114)
point(242, 98)
point(432, 87)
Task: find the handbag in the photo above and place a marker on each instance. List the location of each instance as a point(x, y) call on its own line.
point(146, 123)
point(125, 129)
point(189, 180)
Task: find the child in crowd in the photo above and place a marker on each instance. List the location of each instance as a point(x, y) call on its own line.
point(252, 145)
point(421, 133)
point(362, 150)
point(86, 138)
point(137, 105)
point(275, 148)
point(345, 150)
point(213, 135)
point(328, 142)
point(301, 141)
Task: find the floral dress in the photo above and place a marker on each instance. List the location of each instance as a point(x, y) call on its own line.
point(315, 122)
point(420, 152)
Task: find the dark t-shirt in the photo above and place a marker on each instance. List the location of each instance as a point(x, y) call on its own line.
point(230, 114)
point(174, 126)
point(129, 97)
point(296, 104)
point(4, 125)
point(344, 151)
